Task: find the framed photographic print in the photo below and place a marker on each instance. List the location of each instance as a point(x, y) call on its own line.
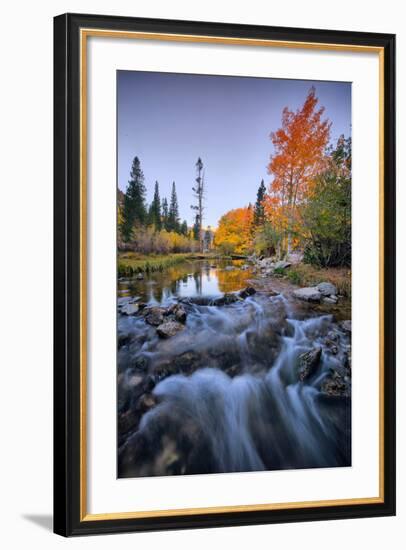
point(224, 274)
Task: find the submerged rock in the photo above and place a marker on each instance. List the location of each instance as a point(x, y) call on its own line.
point(169, 329)
point(228, 298)
point(248, 291)
point(309, 363)
point(308, 294)
point(327, 289)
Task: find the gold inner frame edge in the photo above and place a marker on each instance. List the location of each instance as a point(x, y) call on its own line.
point(84, 34)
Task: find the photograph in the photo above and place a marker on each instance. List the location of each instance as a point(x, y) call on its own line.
point(233, 274)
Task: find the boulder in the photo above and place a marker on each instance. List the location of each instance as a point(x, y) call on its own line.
point(140, 276)
point(154, 315)
point(327, 289)
point(309, 363)
point(178, 311)
point(308, 294)
point(129, 309)
point(169, 329)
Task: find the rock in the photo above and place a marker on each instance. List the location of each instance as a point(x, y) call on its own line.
point(229, 268)
point(123, 340)
point(146, 402)
point(332, 345)
point(227, 299)
point(327, 289)
point(140, 277)
point(178, 311)
point(245, 267)
point(187, 362)
point(154, 315)
point(271, 292)
point(336, 385)
point(135, 380)
point(213, 266)
point(308, 294)
point(234, 370)
point(295, 257)
point(308, 363)
point(169, 329)
point(282, 265)
point(248, 291)
point(140, 364)
point(126, 421)
point(330, 300)
point(346, 326)
point(129, 309)
point(333, 335)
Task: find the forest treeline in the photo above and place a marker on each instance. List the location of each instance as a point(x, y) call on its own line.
point(157, 228)
point(306, 206)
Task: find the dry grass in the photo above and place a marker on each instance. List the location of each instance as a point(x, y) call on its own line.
point(308, 275)
point(130, 263)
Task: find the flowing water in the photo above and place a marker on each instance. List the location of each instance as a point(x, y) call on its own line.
point(225, 393)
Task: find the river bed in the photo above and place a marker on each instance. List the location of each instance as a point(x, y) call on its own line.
point(247, 382)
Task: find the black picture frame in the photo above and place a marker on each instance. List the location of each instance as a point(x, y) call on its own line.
point(67, 351)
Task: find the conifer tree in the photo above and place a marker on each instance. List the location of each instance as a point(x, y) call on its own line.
point(173, 216)
point(259, 210)
point(184, 228)
point(165, 213)
point(155, 209)
point(134, 209)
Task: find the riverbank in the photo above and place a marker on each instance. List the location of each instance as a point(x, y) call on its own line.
point(131, 263)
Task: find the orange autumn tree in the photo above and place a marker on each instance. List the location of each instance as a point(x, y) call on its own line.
point(234, 230)
point(299, 155)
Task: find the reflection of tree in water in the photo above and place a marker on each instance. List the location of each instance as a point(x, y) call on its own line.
point(197, 276)
point(231, 280)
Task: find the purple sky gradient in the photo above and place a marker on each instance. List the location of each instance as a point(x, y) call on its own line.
point(169, 120)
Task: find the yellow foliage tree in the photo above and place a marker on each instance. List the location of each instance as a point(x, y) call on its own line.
point(233, 233)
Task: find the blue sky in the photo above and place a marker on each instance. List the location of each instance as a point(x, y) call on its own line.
point(169, 120)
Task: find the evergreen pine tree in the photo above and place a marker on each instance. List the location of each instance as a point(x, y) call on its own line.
point(184, 228)
point(259, 211)
point(173, 216)
point(165, 213)
point(155, 209)
point(134, 210)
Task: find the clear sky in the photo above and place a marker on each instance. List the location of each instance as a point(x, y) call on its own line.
point(169, 120)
